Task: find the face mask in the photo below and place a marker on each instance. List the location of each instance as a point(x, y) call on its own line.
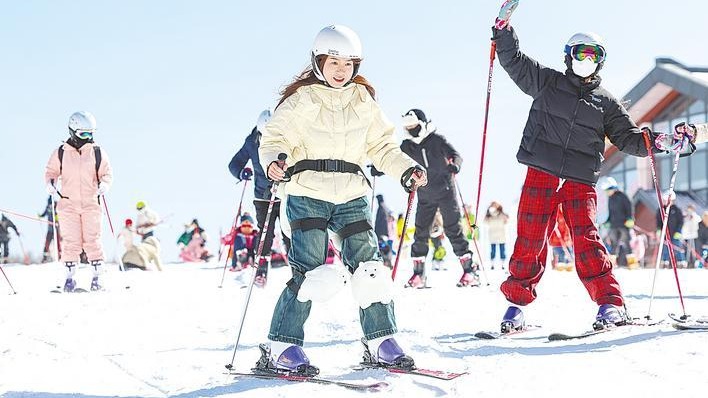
point(415, 132)
point(584, 68)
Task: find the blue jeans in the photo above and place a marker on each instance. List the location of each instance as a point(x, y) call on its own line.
point(502, 251)
point(308, 250)
point(679, 251)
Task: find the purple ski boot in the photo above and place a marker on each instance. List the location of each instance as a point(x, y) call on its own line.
point(513, 319)
point(292, 361)
point(609, 315)
point(388, 355)
point(95, 286)
point(69, 285)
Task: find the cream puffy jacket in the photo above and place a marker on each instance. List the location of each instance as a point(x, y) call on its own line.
point(320, 122)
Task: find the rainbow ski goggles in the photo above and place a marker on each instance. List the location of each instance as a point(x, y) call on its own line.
point(582, 52)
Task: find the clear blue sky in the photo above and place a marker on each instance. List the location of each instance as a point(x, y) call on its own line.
point(177, 85)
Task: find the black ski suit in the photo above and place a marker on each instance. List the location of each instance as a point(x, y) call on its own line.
point(434, 153)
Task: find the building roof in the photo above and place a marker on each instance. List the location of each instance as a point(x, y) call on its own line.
point(683, 198)
point(665, 83)
point(668, 80)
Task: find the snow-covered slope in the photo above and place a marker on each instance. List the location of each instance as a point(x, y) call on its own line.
point(171, 333)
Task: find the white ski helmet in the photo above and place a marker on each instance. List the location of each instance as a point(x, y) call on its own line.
point(586, 67)
point(263, 119)
point(338, 41)
point(609, 183)
point(82, 125)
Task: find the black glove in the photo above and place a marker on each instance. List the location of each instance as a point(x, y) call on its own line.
point(453, 168)
point(374, 171)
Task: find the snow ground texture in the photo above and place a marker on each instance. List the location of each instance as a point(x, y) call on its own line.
point(171, 333)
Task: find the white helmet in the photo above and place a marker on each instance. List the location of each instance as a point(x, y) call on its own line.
point(338, 41)
point(82, 125)
point(588, 39)
point(263, 119)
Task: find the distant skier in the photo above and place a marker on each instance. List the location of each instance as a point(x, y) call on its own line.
point(620, 219)
point(261, 193)
point(673, 231)
point(5, 226)
point(245, 243)
point(496, 219)
point(328, 124)
point(52, 225)
point(79, 172)
point(147, 220)
point(382, 224)
point(441, 162)
point(562, 146)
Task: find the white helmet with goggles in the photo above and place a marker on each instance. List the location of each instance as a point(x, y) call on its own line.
point(82, 125)
point(587, 53)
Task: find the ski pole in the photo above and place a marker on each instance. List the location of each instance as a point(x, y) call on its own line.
point(110, 224)
point(273, 197)
point(502, 20)
point(55, 229)
point(233, 234)
point(411, 195)
point(8, 280)
point(24, 216)
point(471, 227)
point(665, 218)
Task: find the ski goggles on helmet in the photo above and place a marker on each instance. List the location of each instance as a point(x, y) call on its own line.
point(84, 134)
point(582, 52)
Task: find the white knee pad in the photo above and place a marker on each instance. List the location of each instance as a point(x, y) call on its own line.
point(371, 283)
point(323, 283)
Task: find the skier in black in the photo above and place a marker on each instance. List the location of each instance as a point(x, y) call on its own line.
point(5, 226)
point(620, 220)
point(261, 193)
point(384, 217)
point(49, 213)
point(441, 161)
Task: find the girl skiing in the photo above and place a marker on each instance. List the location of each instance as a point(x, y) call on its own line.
point(84, 172)
point(328, 124)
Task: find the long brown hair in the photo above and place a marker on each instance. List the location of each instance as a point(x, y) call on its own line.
point(307, 77)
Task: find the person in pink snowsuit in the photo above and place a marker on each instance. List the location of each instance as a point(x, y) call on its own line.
point(79, 172)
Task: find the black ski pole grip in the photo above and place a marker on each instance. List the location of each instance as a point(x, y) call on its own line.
point(281, 162)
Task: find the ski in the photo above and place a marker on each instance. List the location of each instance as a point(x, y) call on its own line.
point(687, 318)
point(634, 322)
point(60, 290)
point(436, 374)
point(690, 325)
point(371, 387)
point(498, 335)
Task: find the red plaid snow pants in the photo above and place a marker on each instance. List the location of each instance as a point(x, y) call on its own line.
point(540, 197)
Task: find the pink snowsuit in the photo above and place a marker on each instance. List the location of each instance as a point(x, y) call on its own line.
point(79, 210)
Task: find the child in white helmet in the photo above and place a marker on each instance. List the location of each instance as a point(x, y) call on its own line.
point(329, 126)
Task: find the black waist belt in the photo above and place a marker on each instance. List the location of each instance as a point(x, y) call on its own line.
point(328, 166)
